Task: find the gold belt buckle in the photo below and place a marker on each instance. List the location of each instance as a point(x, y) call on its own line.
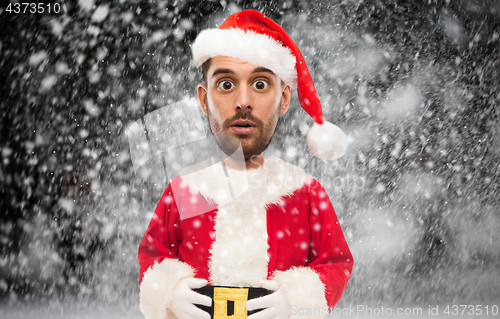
point(237, 296)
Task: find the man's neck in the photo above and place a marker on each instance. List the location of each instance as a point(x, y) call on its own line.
point(252, 163)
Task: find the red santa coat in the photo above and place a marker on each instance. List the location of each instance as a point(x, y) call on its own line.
point(236, 228)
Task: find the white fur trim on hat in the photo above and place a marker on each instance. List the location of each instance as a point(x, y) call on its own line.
point(304, 291)
point(157, 287)
point(327, 141)
point(259, 49)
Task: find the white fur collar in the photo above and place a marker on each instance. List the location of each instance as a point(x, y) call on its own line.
point(239, 252)
point(271, 181)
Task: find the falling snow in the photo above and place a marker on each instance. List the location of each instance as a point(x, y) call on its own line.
point(415, 87)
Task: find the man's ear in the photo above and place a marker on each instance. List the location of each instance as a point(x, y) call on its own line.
point(202, 97)
point(286, 96)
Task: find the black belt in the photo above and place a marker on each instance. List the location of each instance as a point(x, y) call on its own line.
point(229, 302)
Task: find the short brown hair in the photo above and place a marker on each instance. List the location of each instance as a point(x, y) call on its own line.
point(204, 67)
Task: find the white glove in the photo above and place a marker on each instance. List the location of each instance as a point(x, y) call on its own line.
point(274, 305)
point(184, 298)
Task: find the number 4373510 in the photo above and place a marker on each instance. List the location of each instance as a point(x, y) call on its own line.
point(471, 310)
point(32, 7)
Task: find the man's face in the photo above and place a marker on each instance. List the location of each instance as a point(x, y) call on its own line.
point(242, 100)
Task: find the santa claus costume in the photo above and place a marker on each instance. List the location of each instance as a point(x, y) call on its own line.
point(282, 227)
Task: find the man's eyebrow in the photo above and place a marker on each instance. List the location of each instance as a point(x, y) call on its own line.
point(222, 71)
point(229, 71)
point(257, 70)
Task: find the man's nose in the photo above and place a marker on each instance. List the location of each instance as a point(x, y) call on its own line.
point(244, 101)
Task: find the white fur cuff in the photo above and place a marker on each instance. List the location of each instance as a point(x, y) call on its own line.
point(304, 291)
point(158, 285)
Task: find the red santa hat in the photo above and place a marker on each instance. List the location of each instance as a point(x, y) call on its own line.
point(253, 37)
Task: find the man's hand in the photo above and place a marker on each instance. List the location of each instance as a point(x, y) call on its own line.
point(184, 298)
point(274, 305)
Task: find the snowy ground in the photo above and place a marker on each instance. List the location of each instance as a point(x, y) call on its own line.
point(71, 310)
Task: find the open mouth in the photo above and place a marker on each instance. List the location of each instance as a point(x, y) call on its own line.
point(243, 127)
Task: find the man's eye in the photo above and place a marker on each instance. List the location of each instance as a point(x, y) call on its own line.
point(260, 85)
point(226, 85)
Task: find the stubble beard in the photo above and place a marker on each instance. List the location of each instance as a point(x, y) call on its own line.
point(230, 143)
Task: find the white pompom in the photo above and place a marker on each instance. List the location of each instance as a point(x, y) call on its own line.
point(327, 141)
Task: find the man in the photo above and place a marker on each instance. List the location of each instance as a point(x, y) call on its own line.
point(281, 233)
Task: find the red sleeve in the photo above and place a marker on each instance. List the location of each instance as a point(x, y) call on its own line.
point(329, 254)
point(160, 240)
